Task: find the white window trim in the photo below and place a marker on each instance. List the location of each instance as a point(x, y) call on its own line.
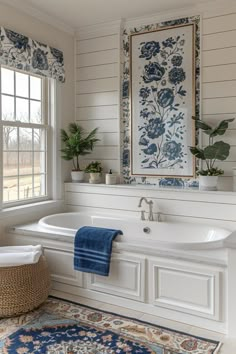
point(54, 178)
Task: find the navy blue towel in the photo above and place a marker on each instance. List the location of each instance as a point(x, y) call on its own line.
point(93, 246)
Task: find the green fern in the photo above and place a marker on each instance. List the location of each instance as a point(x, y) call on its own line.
point(76, 142)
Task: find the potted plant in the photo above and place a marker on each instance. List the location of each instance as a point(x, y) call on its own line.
point(94, 169)
point(76, 142)
point(214, 151)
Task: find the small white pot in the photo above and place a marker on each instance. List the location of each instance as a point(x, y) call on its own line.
point(95, 177)
point(208, 183)
point(77, 176)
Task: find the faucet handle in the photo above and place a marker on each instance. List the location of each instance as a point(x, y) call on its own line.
point(142, 214)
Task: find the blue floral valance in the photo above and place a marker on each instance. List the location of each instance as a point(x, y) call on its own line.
point(21, 52)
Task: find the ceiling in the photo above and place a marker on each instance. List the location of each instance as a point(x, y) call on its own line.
point(77, 13)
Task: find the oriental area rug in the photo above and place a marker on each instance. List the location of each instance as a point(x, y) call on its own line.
point(61, 327)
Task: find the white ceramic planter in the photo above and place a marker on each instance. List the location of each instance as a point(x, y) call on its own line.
point(77, 176)
point(208, 183)
point(95, 178)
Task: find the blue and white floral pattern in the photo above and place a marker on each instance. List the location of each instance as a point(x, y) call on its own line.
point(21, 52)
point(162, 90)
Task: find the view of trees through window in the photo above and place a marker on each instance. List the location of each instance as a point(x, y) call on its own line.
point(23, 136)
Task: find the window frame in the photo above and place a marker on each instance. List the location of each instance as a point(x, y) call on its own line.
point(47, 85)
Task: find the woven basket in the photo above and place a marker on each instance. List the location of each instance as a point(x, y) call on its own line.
point(23, 288)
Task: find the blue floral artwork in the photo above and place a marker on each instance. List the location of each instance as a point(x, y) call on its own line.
point(155, 128)
point(162, 102)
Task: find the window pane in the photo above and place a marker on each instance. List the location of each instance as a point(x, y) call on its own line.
point(7, 108)
point(10, 161)
point(25, 163)
point(25, 136)
point(22, 85)
point(25, 187)
point(39, 162)
point(7, 81)
point(35, 112)
point(10, 189)
point(39, 185)
point(35, 88)
point(22, 110)
point(39, 140)
point(10, 138)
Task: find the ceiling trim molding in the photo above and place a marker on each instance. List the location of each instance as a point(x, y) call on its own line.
point(39, 15)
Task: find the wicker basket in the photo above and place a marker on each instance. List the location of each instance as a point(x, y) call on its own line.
point(23, 288)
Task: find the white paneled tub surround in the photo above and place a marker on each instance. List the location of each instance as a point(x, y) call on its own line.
point(156, 273)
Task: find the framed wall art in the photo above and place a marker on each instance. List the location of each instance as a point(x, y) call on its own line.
point(162, 97)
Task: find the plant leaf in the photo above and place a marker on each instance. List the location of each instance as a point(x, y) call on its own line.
point(199, 153)
point(221, 128)
point(217, 151)
point(202, 125)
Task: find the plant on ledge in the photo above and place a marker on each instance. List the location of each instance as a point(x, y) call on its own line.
point(94, 167)
point(76, 142)
point(214, 151)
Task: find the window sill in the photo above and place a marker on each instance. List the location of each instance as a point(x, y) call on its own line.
point(31, 208)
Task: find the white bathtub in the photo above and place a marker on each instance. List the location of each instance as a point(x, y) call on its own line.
point(153, 234)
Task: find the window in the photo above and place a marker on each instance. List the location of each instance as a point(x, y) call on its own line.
point(24, 129)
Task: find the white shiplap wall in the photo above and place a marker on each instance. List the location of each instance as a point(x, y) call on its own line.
point(213, 208)
point(219, 79)
point(98, 90)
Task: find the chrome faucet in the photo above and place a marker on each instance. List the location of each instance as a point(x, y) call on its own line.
point(150, 213)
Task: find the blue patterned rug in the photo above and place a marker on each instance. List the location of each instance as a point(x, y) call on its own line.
point(61, 327)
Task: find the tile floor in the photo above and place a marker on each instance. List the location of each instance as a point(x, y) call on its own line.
point(228, 347)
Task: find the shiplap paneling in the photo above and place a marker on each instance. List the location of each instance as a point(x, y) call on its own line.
point(98, 58)
point(98, 92)
point(97, 72)
point(108, 139)
point(98, 85)
point(193, 206)
point(99, 112)
point(104, 125)
point(219, 40)
point(219, 89)
point(219, 56)
point(219, 24)
point(98, 99)
point(219, 105)
point(98, 44)
point(219, 73)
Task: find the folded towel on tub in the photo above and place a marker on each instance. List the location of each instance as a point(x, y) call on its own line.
point(93, 247)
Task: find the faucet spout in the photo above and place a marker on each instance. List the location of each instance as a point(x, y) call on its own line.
point(150, 204)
